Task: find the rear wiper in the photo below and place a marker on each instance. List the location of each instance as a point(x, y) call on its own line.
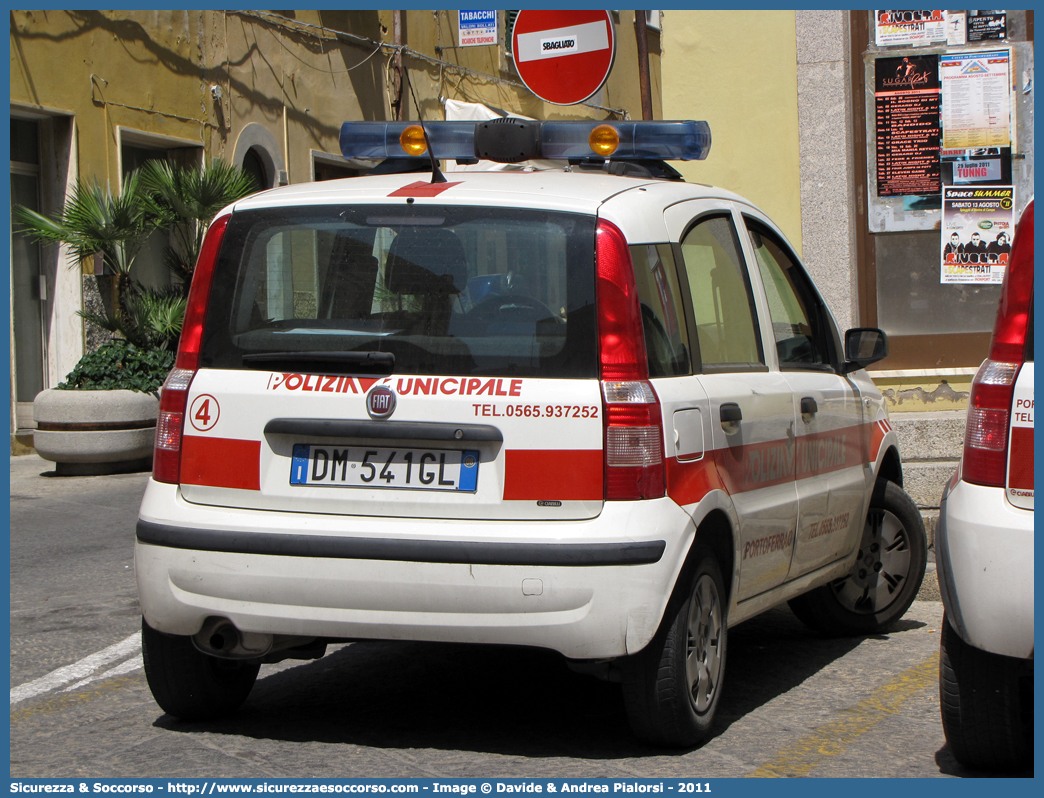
point(330, 361)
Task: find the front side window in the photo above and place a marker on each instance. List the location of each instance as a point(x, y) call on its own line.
point(798, 322)
point(445, 290)
point(721, 298)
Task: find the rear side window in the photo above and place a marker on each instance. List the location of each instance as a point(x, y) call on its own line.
point(446, 290)
point(663, 317)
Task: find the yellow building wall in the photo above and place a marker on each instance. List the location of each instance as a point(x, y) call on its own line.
point(155, 72)
point(737, 70)
point(295, 74)
point(104, 72)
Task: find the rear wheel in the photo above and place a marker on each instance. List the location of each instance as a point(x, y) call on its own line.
point(987, 702)
point(672, 687)
point(885, 578)
point(190, 685)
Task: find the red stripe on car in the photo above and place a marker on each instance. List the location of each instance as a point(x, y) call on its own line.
point(553, 475)
point(422, 189)
point(688, 483)
point(1020, 462)
point(739, 469)
point(221, 462)
point(881, 428)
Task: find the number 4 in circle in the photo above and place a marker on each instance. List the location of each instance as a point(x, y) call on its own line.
point(204, 412)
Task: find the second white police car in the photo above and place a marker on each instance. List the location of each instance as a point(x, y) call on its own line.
point(593, 408)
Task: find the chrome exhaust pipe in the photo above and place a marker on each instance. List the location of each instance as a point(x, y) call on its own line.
point(219, 637)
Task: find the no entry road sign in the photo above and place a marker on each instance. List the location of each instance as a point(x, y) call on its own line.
point(564, 57)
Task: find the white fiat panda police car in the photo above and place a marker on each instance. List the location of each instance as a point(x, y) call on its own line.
point(592, 408)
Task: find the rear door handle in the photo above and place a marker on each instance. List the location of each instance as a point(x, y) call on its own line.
point(809, 406)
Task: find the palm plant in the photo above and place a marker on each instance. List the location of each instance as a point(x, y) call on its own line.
point(185, 200)
point(157, 197)
point(94, 221)
point(152, 318)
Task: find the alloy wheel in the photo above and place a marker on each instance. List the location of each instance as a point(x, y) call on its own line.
point(703, 653)
point(881, 568)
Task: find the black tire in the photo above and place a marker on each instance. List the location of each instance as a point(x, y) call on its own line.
point(672, 687)
point(885, 578)
point(190, 685)
point(987, 705)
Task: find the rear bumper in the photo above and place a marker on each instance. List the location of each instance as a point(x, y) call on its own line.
point(984, 553)
point(588, 589)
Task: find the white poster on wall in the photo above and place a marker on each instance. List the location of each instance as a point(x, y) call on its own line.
point(956, 28)
point(978, 224)
point(976, 99)
point(909, 28)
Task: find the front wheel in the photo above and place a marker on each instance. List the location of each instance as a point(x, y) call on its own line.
point(886, 575)
point(987, 702)
point(672, 687)
point(189, 684)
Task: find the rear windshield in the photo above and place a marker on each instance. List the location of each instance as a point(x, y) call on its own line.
point(445, 290)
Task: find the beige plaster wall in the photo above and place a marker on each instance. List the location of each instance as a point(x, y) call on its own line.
point(153, 71)
point(738, 71)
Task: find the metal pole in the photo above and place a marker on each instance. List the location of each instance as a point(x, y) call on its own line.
point(643, 63)
point(400, 106)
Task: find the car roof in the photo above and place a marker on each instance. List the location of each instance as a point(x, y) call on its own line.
point(558, 189)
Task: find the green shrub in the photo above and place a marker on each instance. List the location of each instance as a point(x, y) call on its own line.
point(118, 365)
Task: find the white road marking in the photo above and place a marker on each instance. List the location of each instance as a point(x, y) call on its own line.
point(131, 665)
point(78, 670)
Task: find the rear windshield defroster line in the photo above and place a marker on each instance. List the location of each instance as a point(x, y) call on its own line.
point(394, 549)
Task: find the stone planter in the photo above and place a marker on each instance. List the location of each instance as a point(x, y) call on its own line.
point(95, 432)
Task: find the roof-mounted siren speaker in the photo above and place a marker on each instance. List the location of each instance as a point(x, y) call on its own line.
point(507, 140)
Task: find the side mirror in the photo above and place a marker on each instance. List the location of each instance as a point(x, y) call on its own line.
point(863, 346)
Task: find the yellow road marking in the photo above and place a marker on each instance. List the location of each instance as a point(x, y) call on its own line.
point(60, 702)
point(801, 757)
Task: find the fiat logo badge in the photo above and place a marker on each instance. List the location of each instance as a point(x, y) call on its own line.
point(380, 403)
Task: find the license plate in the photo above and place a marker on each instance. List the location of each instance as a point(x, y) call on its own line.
point(361, 467)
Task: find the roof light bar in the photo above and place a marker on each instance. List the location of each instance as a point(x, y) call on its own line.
point(576, 140)
point(665, 141)
point(376, 141)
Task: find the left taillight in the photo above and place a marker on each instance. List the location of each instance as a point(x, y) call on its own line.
point(166, 457)
point(985, 459)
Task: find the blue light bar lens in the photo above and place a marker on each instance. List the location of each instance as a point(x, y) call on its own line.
point(666, 141)
point(375, 141)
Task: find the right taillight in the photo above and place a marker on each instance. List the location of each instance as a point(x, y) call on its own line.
point(634, 467)
point(989, 406)
point(632, 420)
point(166, 457)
